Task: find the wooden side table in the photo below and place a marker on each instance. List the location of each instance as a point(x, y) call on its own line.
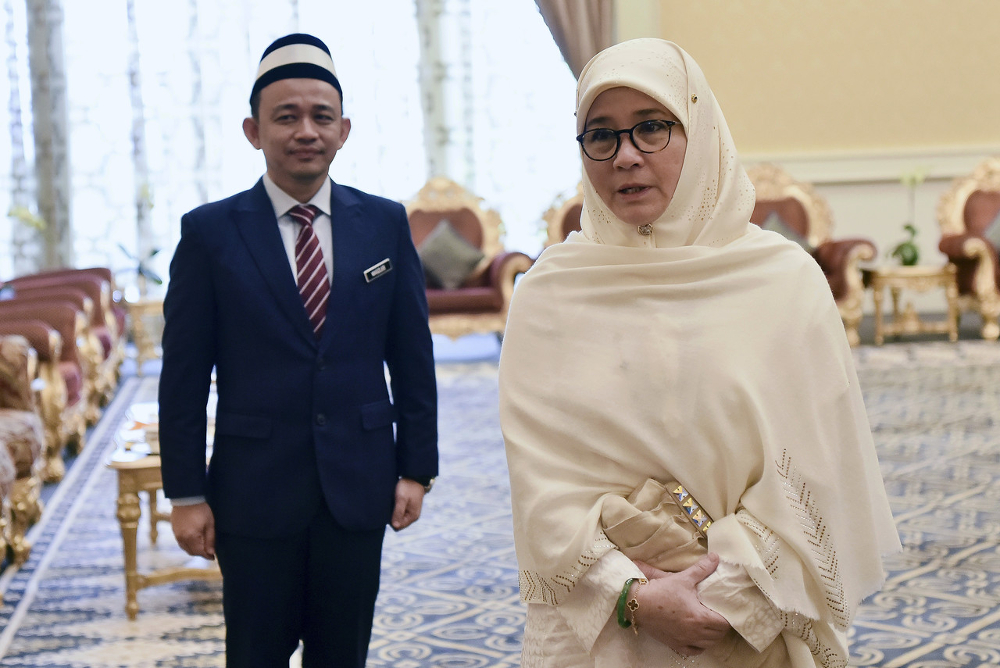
point(140, 472)
point(921, 279)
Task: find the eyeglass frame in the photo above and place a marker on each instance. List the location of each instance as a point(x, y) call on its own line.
point(628, 131)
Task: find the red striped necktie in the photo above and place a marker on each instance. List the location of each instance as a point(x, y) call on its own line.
point(314, 286)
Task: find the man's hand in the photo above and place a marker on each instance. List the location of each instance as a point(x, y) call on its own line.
point(409, 501)
point(670, 610)
point(194, 529)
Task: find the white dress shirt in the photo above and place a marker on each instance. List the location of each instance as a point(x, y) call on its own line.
point(289, 229)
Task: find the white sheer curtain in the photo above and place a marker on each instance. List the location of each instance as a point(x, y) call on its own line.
point(509, 104)
point(197, 61)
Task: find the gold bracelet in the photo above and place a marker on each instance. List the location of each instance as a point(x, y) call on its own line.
point(633, 604)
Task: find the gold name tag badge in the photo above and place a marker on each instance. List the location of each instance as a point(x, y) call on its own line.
point(380, 269)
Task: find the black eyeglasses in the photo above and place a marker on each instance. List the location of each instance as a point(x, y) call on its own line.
point(648, 136)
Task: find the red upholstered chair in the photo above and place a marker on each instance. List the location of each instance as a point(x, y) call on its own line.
point(21, 437)
point(563, 217)
point(57, 330)
point(796, 210)
point(446, 216)
point(969, 216)
point(97, 382)
point(106, 322)
point(117, 311)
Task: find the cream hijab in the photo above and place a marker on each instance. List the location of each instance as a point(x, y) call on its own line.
point(714, 197)
point(710, 352)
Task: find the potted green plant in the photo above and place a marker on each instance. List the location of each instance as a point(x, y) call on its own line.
point(907, 252)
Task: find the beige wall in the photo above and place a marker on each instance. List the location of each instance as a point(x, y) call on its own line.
point(812, 76)
point(849, 95)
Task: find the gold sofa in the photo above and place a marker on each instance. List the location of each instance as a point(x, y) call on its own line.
point(563, 217)
point(478, 303)
point(21, 439)
point(969, 213)
point(56, 330)
point(106, 343)
point(802, 214)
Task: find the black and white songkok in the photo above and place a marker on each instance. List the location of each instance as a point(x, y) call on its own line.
point(296, 56)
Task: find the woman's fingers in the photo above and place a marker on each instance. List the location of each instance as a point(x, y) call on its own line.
point(702, 568)
point(651, 572)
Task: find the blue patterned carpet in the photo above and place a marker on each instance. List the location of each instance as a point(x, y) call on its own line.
point(449, 592)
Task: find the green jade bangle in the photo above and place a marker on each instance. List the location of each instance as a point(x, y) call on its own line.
point(624, 621)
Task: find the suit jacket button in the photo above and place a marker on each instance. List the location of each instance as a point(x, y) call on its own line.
point(321, 419)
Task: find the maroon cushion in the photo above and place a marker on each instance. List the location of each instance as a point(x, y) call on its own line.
point(790, 210)
point(71, 373)
point(980, 210)
point(60, 314)
point(92, 285)
point(464, 221)
point(464, 300)
point(104, 336)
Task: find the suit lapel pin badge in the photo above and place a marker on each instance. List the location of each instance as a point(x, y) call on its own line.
point(377, 270)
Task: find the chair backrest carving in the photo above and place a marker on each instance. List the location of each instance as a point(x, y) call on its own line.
point(17, 370)
point(972, 201)
point(797, 202)
point(441, 198)
point(563, 217)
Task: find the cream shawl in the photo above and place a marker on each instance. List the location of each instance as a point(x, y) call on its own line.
point(710, 352)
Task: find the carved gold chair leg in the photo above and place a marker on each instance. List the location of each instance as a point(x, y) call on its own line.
point(5, 533)
point(52, 404)
point(77, 435)
point(989, 310)
point(55, 468)
point(851, 324)
point(25, 510)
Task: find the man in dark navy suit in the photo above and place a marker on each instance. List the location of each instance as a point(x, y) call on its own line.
point(299, 293)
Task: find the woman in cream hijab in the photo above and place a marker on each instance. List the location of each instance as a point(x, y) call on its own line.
point(679, 406)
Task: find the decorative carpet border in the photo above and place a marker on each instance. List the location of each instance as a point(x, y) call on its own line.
point(19, 585)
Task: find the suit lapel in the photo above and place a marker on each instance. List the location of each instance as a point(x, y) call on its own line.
point(259, 229)
point(345, 228)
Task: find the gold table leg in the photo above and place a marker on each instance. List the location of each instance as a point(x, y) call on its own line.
point(951, 295)
point(877, 294)
point(133, 479)
point(129, 511)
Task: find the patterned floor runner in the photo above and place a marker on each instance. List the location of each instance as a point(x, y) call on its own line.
point(449, 586)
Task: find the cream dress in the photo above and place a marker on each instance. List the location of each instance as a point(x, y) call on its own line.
point(700, 349)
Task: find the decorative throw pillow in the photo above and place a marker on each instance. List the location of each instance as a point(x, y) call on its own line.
point(447, 257)
point(992, 232)
point(776, 223)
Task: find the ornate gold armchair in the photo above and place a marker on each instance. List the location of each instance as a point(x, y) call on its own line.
point(96, 382)
point(796, 210)
point(21, 438)
point(969, 216)
point(57, 331)
point(106, 332)
point(563, 217)
point(470, 277)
